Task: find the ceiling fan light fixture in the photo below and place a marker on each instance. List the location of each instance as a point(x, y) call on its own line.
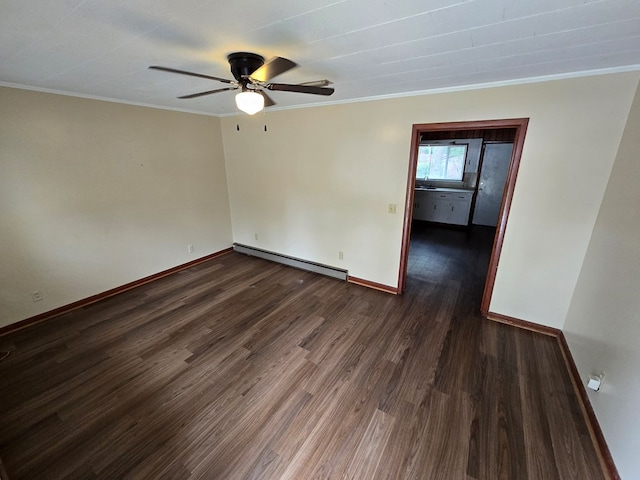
point(250, 102)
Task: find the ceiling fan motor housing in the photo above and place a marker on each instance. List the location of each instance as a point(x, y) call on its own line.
point(244, 64)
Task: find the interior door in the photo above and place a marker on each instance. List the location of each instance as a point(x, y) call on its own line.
point(493, 175)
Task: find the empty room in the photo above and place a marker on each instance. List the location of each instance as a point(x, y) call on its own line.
point(333, 239)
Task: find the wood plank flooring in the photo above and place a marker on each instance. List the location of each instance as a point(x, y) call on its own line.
point(239, 368)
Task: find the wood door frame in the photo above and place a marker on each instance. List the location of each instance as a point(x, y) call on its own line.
point(520, 124)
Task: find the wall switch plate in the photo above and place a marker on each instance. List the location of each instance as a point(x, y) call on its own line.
point(190, 248)
point(340, 256)
point(36, 296)
point(255, 235)
point(393, 208)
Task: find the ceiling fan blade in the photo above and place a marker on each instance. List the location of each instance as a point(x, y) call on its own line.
point(268, 101)
point(209, 92)
point(274, 67)
point(317, 83)
point(183, 72)
point(284, 87)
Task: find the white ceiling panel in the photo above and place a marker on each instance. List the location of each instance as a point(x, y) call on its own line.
point(367, 48)
point(524, 8)
point(549, 43)
point(466, 17)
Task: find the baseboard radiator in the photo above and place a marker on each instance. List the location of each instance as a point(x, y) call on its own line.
point(292, 261)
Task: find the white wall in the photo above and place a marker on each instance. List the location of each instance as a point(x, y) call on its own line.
point(603, 323)
point(95, 195)
point(320, 180)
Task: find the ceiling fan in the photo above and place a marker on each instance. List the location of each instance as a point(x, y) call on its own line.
point(252, 77)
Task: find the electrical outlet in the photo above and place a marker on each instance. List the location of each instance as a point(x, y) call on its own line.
point(393, 208)
point(190, 248)
point(255, 235)
point(36, 296)
point(340, 256)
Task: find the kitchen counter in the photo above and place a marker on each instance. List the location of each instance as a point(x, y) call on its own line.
point(444, 189)
point(443, 205)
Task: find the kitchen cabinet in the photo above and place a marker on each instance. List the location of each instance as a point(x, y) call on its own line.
point(473, 154)
point(442, 206)
point(460, 208)
point(421, 205)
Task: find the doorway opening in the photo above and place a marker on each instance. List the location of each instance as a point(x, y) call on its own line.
point(491, 131)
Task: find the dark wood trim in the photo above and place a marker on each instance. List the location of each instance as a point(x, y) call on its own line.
point(109, 293)
point(487, 135)
point(408, 209)
point(505, 208)
point(520, 124)
point(470, 125)
point(516, 322)
point(604, 454)
point(602, 449)
point(377, 286)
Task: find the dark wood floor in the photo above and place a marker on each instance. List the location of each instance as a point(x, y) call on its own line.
point(239, 368)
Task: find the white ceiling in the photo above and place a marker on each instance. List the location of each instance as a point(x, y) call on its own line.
point(367, 48)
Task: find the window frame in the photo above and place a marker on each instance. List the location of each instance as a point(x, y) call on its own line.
point(448, 144)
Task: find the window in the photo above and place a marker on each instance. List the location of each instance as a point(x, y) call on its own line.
point(441, 162)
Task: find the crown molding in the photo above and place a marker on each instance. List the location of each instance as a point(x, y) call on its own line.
point(415, 93)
